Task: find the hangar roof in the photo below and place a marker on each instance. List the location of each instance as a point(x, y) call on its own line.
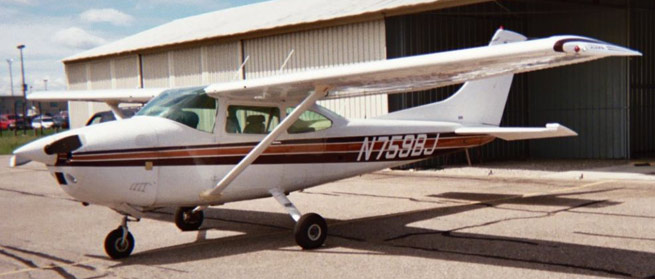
point(259, 17)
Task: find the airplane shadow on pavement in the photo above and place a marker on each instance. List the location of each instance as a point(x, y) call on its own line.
point(391, 235)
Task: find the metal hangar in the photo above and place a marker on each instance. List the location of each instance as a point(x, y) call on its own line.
point(610, 103)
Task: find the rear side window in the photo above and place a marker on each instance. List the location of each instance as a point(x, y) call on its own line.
point(309, 121)
point(251, 119)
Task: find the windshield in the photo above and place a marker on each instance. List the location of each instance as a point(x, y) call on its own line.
point(189, 106)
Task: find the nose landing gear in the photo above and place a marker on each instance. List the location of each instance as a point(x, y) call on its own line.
point(119, 243)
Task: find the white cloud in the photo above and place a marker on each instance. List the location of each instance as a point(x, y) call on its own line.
point(111, 16)
point(78, 38)
point(20, 2)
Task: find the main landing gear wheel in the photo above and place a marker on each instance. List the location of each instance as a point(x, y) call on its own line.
point(310, 231)
point(187, 220)
point(119, 243)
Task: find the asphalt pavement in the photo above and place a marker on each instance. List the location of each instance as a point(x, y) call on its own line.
point(501, 220)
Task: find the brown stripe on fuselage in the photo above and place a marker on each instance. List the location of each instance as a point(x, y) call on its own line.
point(306, 151)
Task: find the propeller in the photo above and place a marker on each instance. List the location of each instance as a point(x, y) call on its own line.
point(42, 150)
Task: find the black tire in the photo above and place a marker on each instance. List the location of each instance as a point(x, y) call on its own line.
point(186, 220)
point(310, 231)
point(114, 246)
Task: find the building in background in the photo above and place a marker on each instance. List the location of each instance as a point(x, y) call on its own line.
point(14, 105)
point(610, 103)
point(11, 104)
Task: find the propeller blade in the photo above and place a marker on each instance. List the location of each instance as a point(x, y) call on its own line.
point(16, 161)
point(64, 145)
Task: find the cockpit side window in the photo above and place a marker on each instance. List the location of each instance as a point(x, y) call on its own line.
point(309, 121)
point(251, 119)
point(191, 107)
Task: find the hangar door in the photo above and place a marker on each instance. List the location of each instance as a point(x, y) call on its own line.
point(592, 99)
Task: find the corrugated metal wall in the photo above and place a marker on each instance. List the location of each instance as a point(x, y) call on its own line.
point(100, 74)
point(155, 70)
point(175, 68)
point(642, 80)
point(221, 62)
point(78, 79)
point(457, 28)
point(91, 75)
point(321, 48)
point(76, 75)
point(591, 98)
point(126, 72)
point(610, 103)
point(186, 67)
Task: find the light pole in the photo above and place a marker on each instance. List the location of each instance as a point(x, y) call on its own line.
point(22, 73)
point(11, 85)
point(45, 84)
point(11, 77)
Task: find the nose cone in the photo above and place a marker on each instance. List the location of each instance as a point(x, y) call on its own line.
point(33, 151)
point(45, 150)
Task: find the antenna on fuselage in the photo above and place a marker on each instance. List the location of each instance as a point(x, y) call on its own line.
point(240, 70)
point(284, 64)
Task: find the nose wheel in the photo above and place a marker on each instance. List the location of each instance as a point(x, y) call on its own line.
point(119, 243)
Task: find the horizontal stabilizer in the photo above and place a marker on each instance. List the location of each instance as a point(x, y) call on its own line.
point(552, 130)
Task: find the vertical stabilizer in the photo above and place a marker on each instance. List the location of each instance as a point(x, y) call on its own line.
point(476, 102)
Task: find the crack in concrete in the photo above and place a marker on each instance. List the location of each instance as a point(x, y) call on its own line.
point(596, 269)
point(62, 272)
point(99, 276)
point(613, 214)
point(36, 194)
point(19, 258)
point(338, 194)
point(616, 236)
point(49, 257)
point(449, 233)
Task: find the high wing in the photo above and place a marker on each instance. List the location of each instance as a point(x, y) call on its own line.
point(424, 71)
point(508, 133)
point(140, 95)
point(113, 97)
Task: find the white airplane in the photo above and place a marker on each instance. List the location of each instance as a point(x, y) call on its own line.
point(192, 148)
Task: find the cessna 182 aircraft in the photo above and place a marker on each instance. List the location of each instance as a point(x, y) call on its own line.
point(192, 148)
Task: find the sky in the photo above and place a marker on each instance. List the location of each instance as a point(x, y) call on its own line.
point(52, 30)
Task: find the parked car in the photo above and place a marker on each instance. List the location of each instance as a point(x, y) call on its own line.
point(60, 121)
point(42, 121)
point(20, 123)
point(106, 116)
point(6, 120)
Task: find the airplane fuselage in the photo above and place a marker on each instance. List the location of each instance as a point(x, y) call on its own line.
point(152, 162)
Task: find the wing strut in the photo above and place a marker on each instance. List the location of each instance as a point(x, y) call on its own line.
point(213, 194)
point(118, 114)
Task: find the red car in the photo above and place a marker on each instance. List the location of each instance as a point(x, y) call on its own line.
point(6, 120)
